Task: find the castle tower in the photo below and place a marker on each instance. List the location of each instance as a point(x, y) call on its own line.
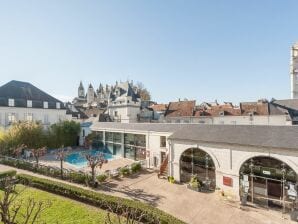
point(90, 94)
point(81, 91)
point(294, 71)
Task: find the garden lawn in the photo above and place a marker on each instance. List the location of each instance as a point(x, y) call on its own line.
point(63, 210)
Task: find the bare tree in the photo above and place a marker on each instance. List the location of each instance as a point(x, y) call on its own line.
point(144, 93)
point(95, 161)
point(17, 211)
point(18, 150)
point(37, 153)
point(126, 215)
point(61, 155)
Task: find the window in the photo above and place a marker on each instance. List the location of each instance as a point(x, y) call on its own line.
point(116, 113)
point(57, 105)
point(163, 141)
point(11, 118)
point(46, 119)
point(11, 102)
point(29, 103)
point(45, 105)
point(29, 117)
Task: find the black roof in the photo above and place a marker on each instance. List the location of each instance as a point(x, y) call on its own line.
point(23, 91)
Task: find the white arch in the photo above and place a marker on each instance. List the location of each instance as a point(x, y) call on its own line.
point(290, 163)
point(214, 159)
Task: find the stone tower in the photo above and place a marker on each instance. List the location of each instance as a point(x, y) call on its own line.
point(294, 71)
point(81, 91)
point(90, 94)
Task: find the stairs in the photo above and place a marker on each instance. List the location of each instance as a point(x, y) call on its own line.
point(163, 170)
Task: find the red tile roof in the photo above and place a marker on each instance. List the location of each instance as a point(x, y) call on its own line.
point(180, 109)
point(159, 107)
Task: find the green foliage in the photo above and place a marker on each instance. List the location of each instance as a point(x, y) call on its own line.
point(171, 179)
point(153, 215)
point(136, 167)
point(62, 210)
point(194, 182)
point(124, 171)
point(9, 173)
point(63, 133)
point(30, 134)
point(101, 178)
point(34, 136)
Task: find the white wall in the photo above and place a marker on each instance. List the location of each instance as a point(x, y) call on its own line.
point(228, 160)
point(235, 120)
point(39, 114)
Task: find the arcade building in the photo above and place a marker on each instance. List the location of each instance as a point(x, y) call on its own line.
point(258, 163)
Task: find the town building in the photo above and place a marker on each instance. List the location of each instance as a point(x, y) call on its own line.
point(118, 103)
point(261, 112)
point(259, 163)
point(22, 101)
point(124, 103)
point(294, 71)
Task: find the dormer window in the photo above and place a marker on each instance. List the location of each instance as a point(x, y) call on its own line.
point(57, 105)
point(29, 103)
point(45, 105)
point(11, 102)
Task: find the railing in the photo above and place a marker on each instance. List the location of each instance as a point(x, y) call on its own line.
point(164, 166)
point(55, 171)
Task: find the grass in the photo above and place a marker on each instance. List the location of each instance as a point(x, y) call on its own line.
point(63, 210)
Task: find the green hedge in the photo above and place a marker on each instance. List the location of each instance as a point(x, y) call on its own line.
point(9, 173)
point(153, 215)
point(76, 177)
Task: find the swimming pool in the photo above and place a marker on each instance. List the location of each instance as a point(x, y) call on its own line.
point(79, 160)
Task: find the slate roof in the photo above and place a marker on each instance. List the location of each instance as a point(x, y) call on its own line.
point(288, 103)
point(260, 136)
point(125, 89)
point(23, 91)
point(283, 137)
point(157, 127)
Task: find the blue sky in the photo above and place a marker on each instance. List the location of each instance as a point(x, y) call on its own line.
point(229, 50)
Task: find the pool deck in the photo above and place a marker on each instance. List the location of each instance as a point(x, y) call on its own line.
point(50, 160)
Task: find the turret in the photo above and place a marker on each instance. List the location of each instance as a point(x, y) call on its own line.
point(90, 94)
point(81, 90)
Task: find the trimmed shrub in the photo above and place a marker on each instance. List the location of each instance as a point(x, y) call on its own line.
point(124, 171)
point(101, 178)
point(76, 177)
point(9, 173)
point(103, 201)
point(136, 167)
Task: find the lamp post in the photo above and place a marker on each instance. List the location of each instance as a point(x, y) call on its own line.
point(251, 166)
point(207, 166)
point(283, 171)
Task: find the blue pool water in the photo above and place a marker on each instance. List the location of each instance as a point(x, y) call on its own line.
point(79, 160)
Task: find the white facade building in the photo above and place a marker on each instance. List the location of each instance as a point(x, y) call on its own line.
point(21, 101)
point(294, 71)
point(124, 104)
point(223, 157)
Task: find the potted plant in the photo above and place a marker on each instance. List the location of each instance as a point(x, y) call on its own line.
point(171, 179)
point(194, 184)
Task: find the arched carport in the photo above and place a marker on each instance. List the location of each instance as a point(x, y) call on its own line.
point(195, 162)
point(268, 181)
